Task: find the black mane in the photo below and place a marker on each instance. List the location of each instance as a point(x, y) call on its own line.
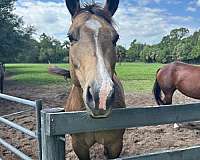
point(95, 9)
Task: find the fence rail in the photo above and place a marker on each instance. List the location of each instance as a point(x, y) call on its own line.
point(14, 150)
point(190, 153)
point(18, 127)
point(19, 100)
point(75, 122)
point(37, 105)
point(55, 125)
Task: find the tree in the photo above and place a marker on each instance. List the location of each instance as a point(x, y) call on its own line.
point(52, 50)
point(14, 37)
point(179, 34)
point(134, 50)
point(18, 45)
point(121, 53)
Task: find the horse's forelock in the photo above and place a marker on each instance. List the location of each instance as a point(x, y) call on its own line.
point(95, 9)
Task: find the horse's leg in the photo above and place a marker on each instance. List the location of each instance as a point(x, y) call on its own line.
point(81, 150)
point(113, 150)
point(168, 98)
point(168, 101)
point(113, 143)
point(168, 92)
point(81, 144)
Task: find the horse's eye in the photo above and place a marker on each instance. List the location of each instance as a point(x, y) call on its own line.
point(71, 38)
point(115, 39)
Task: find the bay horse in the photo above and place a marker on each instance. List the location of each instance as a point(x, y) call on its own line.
point(2, 70)
point(176, 76)
point(96, 88)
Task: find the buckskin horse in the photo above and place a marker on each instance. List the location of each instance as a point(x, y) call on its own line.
point(96, 87)
point(176, 76)
point(2, 70)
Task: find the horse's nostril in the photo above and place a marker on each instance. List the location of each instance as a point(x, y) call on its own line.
point(110, 97)
point(89, 98)
point(89, 95)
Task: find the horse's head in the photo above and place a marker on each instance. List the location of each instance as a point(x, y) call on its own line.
point(93, 54)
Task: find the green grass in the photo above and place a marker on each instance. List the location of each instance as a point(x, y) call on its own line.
point(33, 74)
point(136, 77)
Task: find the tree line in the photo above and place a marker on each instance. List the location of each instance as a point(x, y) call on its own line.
point(17, 44)
point(177, 45)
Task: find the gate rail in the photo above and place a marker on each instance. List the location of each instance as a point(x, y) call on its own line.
point(56, 124)
point(37, 105)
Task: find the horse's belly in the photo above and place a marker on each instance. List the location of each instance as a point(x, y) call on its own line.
point(192, 90)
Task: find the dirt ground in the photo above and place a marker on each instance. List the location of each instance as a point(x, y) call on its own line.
point(136, 140)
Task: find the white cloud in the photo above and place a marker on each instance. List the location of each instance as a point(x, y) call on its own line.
point(191, 9)
point(198, 3)
point(145, 24)
point(146, 2)
point(193, 5)
point(48, 17)
point(174, 2)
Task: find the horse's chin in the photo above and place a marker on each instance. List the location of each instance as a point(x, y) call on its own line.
point(98, 114)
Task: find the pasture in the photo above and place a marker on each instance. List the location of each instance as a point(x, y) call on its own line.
point(31, 81)
point(136, 77)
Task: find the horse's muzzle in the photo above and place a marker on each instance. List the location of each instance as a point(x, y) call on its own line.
point(98, 107)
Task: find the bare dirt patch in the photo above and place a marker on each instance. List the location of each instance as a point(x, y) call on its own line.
point(136, 140)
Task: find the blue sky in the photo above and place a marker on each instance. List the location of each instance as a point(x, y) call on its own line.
point(145, 20)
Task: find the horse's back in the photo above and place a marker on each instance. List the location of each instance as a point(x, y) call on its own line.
point(181, 76)
point(188, 80)
point(177, 70)
point(187, 72)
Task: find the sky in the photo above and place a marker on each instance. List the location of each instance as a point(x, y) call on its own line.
point(145, 20)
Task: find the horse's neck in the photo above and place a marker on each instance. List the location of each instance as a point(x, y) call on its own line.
point(75, 100)
point(119, 101)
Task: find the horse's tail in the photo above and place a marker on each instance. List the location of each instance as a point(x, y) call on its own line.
point(157, 91)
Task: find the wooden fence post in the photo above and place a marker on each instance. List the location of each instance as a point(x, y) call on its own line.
point(52, 147)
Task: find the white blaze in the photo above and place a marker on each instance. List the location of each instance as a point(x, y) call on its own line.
point(106, 82)
point(94, 25)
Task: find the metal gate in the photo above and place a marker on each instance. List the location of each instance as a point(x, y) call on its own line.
point(37, 106)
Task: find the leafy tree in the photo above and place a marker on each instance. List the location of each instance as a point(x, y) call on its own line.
point(134, 50)
point(121, 53)
point(16, 40)
point(18, 45)
point(52, 50)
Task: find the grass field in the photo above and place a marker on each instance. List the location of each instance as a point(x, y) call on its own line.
point(136, 77)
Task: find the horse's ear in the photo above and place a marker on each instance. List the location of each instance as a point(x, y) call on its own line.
point(73, 6)
point(111, 6)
